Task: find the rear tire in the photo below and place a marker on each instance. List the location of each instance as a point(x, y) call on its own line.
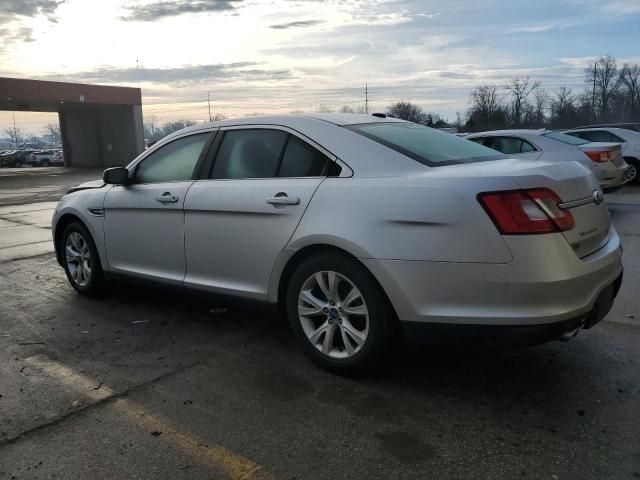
point(80, 260)
point(634, 171)
point(339, 313)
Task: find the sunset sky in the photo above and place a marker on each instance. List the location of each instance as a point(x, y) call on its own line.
point(286, 55)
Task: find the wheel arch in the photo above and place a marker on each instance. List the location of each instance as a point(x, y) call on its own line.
point(70, 216)
point(316, 249)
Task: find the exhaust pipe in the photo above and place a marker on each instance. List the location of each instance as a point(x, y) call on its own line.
point(565, 337)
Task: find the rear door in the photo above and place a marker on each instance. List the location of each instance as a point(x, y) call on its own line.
point(518, 147)
point(240, 218)
point(144, 221)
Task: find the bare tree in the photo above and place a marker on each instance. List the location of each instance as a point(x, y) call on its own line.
point(323, 108)
point(346, 109)
point(520, 89)
point(487, 111)
point(630, 78)
point(605, 81)
point(52, 130)
point(15, 135)
point(541, 99)
point(563, 108)
point(406, 111)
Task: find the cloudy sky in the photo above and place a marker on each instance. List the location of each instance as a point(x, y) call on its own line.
point(283, 55)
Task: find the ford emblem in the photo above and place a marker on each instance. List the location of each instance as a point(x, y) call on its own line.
point(598, 196)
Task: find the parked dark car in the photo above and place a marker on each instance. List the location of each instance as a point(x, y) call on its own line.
point(15, 158)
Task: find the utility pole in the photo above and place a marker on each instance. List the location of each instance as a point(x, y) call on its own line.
point(138, 72)
point(15, 131)
point(366, 99)
point(209, 104)
point(593, 92)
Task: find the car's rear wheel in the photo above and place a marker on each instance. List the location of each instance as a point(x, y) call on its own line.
point(80, 260)
point(633, 171)
point(338, 312)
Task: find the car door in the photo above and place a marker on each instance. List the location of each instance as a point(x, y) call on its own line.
point(144, 220)
point(240, 218)
point(513, 146)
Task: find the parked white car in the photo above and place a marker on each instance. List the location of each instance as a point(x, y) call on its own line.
point(603, 159)
point(628, 139)
point(44, 158)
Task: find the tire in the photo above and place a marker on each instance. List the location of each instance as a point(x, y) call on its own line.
point(78, 239)
point(325, 332)
point(17, 164)
point(634, 166)
point(44, 163)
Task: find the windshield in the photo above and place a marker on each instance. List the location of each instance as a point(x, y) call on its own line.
point(561, 137)
point(426, 145)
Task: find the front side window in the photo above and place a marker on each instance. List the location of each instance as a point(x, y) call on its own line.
point(172, 162)
point(425, 145)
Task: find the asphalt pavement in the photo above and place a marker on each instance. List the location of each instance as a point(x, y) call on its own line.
point(155, 383)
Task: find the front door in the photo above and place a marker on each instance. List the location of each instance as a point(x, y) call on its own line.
point(239, 220)
point(144, 221)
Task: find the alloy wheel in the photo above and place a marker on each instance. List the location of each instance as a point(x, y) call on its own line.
point(78, 256)
point(333, 314)
point(631, 173)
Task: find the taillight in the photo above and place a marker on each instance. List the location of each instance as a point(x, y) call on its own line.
point(519, 212)
point(598, 156)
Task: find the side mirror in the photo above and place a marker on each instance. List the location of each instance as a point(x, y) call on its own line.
point(116, 176)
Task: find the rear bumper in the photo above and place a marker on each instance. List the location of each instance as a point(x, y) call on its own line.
point(545, 283)
point(444, 334)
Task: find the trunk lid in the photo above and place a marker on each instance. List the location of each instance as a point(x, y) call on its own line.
point(576, 186)
point(614, 149)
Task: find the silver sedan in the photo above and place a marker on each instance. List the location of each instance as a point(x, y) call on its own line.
point(604, 159)
point(359, 228)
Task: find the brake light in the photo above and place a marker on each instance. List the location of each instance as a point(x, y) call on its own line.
point(521, 212)
point(598, 156)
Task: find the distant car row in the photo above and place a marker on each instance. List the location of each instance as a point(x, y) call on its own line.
point(610, 152)
point(33, 158)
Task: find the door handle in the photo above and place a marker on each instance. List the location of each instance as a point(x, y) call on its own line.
point(281, 199)
point(166, 197)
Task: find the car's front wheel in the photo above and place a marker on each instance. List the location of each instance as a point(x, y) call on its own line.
point(338, 312)
point(80, 260)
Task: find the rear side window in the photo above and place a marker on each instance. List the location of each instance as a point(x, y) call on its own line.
point(301, 160)
point(570, 139)
point(510, 145)
point(425, 145)
point(249, 154)
point(268, 153)
point(598, 136)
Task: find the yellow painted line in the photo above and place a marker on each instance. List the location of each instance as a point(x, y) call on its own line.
point(235, 466)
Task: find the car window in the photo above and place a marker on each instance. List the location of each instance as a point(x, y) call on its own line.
point(486, 141)
point(251, 153)
point(507, 145)
point(172, 162)
point(615, 138)
point(423, 144)
point(526, 147)
point(596, 136)
point(301, 160)
point(570, 138)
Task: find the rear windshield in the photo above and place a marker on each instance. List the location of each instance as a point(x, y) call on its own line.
point(561, 137)
point(426, 145)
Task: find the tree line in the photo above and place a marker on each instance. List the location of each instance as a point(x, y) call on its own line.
point(611, 94)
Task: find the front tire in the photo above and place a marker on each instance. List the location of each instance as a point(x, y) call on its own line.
point(80, 260)
point(339, 313)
